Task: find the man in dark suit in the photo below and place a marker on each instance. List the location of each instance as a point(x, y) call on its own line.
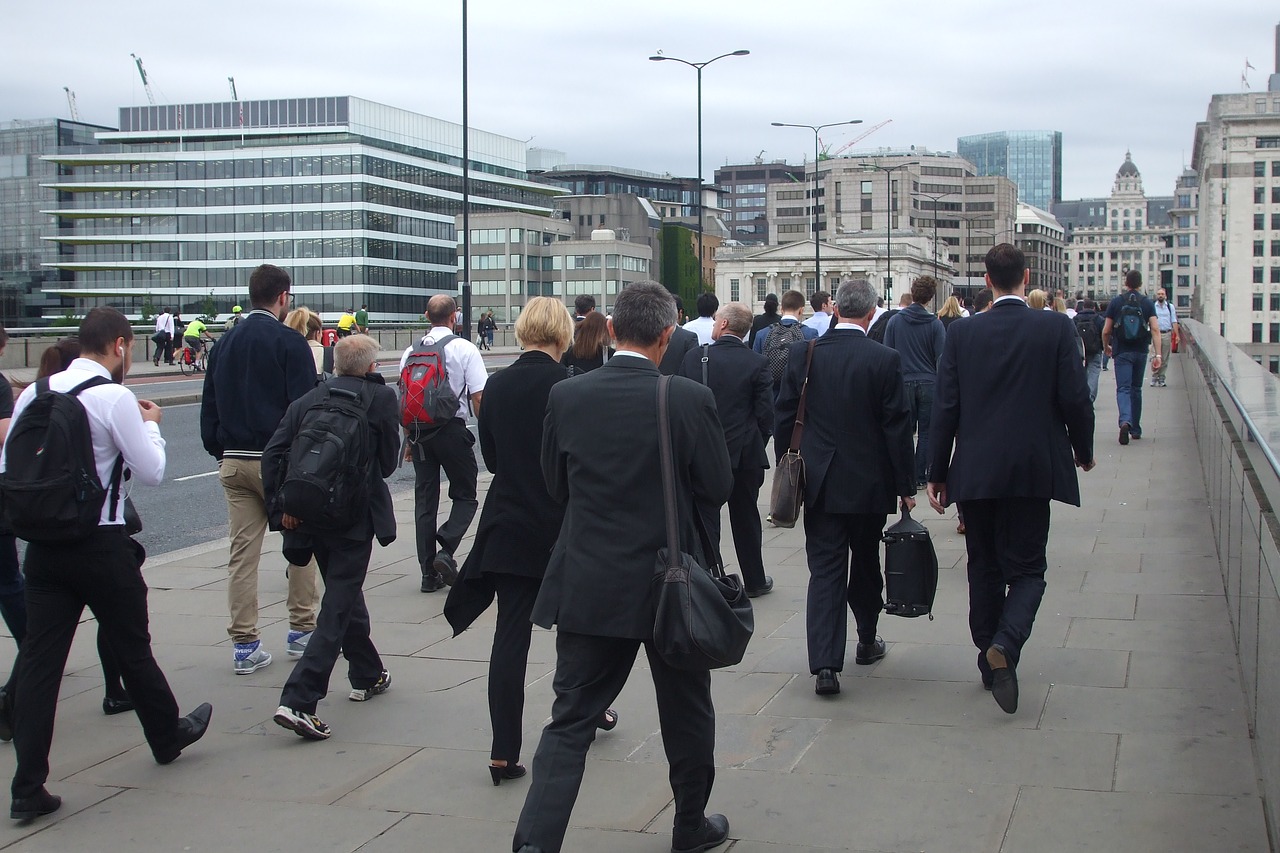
point(856, 448)
point(740, 380)
point(1017, 429)
point(682, 341)
point(599, 590)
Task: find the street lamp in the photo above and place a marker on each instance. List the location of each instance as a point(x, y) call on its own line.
point(888, 232)
point(698, 66)
point(817, 233)
point(936, 197)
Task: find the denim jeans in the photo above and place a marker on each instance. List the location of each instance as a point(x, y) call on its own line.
point(1092, 370)
point(1129, 368)
point(920, 399)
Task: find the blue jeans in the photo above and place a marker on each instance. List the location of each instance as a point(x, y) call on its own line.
point(920, 399)
point(1129, 368)
point(1092, 370)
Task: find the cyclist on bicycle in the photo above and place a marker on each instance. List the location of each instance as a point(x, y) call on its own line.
point(191, 337)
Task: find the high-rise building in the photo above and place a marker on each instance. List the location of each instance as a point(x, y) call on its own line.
point(356, 199)
point(1032, 159)
point(744, 191)
point(1043, 240)
point(1180, 274)
point(25, 227)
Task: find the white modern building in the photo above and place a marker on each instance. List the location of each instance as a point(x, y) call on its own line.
point(1043, 240)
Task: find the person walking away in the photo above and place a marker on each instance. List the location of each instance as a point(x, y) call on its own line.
point(1089, 327)
point(519, 524)
point(362, 320)
point(1130, 329)
point(707, 304)
point(918, 336)
point(1170, 329)
point(257, 370)
point(950, 312)
point(743, 388)
point(342, 550)
point(765, 319)
point(599, 590)
point(163, 338)
point(1011, 422)
point(857, 451)
point(590, 347)
point(775, 343)
point(820, 321)
point(98, 566)
point(448, 446)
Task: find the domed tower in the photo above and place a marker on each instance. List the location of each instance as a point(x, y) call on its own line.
point(1128, 178)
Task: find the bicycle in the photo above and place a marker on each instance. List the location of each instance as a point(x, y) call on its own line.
point(190, 362)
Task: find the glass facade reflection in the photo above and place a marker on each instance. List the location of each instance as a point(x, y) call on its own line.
point(1032, 159)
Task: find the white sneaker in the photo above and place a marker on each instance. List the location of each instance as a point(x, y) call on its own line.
point(251, 657)
point(363, 694)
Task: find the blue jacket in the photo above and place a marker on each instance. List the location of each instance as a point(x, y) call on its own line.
point(255, 371)
point(918, 336)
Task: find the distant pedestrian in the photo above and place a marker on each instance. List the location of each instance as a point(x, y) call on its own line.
point(590, 348)
point(1131, 328)
point(774, 343)
point(362, 320)
point(347, 323)
point(163, 337)
point(1170, 328)
point(950, 312)
point(583, 304)
point(707, 306)
point(918, 336)
point(765, 319)
point(1089, 326)
point(822, 312)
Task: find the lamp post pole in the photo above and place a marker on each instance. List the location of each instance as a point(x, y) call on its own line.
point(466, 191)
point(888, 231)
point(698, 66)
point(813, 204)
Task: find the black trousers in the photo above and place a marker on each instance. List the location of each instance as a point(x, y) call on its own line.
point(590, 673)
point(1006, 540)
point(342, 626)
point(449, 448)
point(744, 521)
point(843, 550)
point(509, 662)
point(103, 572)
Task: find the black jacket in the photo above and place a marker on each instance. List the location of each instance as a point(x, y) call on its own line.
point(743, 388)
point(582, 365)
point(1012, 398)
point(384, 421)
point(762, 320)
point(600, 457)
point(682, 340)
point(256, 370)
point(857, 435)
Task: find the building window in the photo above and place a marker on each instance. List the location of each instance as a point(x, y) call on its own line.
point(761, 284)
point(1257, 302)
point(1259, 222)
point(1273, 363)
point(1257, 333)
point(735, 294)
point(1260, 248)
point(1257, 275)
point(1259, 195)
point(1259, 169)
point(1274, 333)
point(1275, 275)
point(1275, 302)
point(1275, 222)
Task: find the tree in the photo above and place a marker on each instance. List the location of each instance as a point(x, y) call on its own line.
point(148, 308)
point(208, 308)
point(679, 268)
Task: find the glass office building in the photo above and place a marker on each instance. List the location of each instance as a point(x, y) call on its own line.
point(1032, 159)
point(356, 199)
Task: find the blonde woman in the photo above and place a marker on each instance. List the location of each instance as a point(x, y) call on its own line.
point(1038, 300)
point(950, 311)
point(307, 323)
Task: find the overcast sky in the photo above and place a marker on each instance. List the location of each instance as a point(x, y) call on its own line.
point(573, 75)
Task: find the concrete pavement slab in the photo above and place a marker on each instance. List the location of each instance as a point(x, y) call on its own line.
point(1186, 764)
point(77, 798)
point(1144, 709)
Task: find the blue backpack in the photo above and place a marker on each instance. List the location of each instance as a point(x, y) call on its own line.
point(1133, 328)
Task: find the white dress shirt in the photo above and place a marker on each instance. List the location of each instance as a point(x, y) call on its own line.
point(702, 327)
point(463, 363)
point(820, 322)
point(117, 427)
point(164, 323)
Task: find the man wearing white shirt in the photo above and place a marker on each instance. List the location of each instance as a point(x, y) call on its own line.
point(821, 319)
point(102, 571)
point(163, 337)
point(708, 304)
point(450, 448)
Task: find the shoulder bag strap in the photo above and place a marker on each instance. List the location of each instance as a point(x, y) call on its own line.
point(797, 432)
point(705, 358)
point(668, 472)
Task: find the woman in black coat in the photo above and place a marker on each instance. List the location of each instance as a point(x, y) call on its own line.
point(590, 345)
point(519, 525)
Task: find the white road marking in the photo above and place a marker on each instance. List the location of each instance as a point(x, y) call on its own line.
point(194, 477)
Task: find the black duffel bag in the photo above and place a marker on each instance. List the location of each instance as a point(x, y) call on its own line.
point(910, 568)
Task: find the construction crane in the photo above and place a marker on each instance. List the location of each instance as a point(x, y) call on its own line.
point(231, 81)
point(146, 85)
point(71, 103)
point(860, 137)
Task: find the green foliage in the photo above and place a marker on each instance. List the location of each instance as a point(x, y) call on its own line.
point(68, 318)
point(679, 268)
point(208, 308)
point(148, 308)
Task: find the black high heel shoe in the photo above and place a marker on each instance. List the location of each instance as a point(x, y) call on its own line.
point(505, 771)
point(608, 720)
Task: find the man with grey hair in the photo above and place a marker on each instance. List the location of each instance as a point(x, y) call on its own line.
point(858, 463)
point(743, 387)
point(342, 554)
point(598, 589)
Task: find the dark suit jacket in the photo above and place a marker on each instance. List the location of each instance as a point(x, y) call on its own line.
point(384, 421)
point(857, 436)
point(600, 456)
point(682, 340)
point(1011, 396)
point(743, 388)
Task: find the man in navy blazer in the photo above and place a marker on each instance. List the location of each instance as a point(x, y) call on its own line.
point(858, 461)
point(743, 388)
point(1012, 399)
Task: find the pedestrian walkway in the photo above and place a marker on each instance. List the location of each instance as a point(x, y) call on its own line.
point(1130, 736)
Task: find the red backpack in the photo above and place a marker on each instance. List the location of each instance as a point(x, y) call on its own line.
point(427, 402)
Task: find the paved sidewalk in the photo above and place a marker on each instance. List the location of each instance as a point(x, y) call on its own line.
point(1131, 734)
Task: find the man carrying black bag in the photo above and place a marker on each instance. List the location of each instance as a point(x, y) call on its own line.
point(600, 455)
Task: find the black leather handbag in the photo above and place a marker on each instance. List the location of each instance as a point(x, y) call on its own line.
point(703, 619)
point(788, 475)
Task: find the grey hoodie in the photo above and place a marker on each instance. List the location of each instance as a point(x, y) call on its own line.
point(918, 337)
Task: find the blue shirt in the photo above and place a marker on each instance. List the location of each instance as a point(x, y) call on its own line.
point(763, 335)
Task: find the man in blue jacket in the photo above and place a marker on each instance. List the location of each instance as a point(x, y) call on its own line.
point(918, 337)
point(255, 372)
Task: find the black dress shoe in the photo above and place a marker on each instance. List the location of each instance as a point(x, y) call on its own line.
point(446, 567)
point(763, 590)
point(6, 716)
point(190, 729)
point(1004, 680)
point(713, 832)
point(984, 670)
point(112, 706)
point(37, 805)
point(869, 653)
point(432, 582)
point(828, 683)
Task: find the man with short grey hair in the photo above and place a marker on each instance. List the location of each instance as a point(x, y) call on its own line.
point(600, 457)
point(858, 463)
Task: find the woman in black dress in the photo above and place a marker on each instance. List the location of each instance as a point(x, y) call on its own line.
point(519, 524)
point(590, 345)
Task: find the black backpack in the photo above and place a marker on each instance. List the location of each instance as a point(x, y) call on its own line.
point(1090, 334)
point(876, 332)
point(326, 484)
point(777, 347)
point(50, 488)
point(1133, 327)
point(910, 569)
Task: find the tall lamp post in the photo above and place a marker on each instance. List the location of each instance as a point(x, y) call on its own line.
point(935, 198)
point(813, 207)
point(888, 232)
point(698, 66)
point(466, 191)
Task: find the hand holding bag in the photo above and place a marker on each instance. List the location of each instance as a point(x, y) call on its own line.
point(703, 619)
point(788, 475)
